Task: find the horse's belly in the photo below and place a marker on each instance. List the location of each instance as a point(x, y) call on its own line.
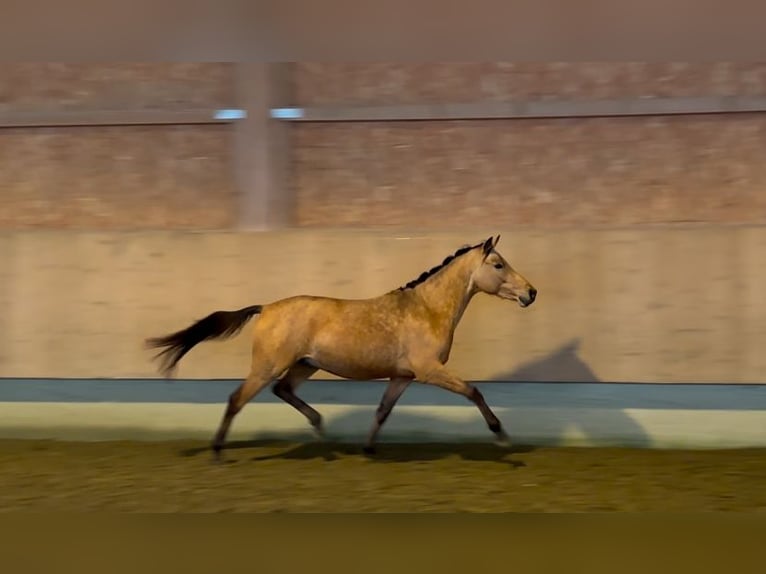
point(351, 367)
point(348, 351)
point(357, 362)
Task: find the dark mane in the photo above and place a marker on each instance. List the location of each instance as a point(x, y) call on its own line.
point(447, 260)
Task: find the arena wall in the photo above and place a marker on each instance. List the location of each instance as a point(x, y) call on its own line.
point(549, 173)
point(643, 234)
point(655, 305)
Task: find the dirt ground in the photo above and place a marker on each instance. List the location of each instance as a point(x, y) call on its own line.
point(319, 477)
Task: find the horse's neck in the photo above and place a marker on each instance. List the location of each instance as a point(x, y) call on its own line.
point(447, 294)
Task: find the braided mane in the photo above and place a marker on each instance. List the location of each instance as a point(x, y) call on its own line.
point(447, 260)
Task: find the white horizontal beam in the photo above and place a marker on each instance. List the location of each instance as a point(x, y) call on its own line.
point(399, 112)
point(524, 109)
point(69, 118)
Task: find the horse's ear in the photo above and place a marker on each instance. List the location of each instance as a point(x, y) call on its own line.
point(497, 240)
point(487, 247)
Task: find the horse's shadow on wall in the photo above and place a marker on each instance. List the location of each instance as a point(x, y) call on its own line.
point(568, 376)
point(563, 366)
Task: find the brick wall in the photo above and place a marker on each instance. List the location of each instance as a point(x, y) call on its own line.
point(125, 177)
point(547, 173)
point(136, 177)
point(390, 83)
point(60, 86)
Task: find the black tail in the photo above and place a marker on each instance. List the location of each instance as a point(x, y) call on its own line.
point(218, 325)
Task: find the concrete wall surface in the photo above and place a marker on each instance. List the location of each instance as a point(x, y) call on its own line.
point(680, 304)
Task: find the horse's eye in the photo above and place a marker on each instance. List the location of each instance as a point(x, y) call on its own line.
point(498, 265)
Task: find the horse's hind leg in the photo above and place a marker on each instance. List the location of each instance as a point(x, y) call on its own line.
point(392, 393)
point(255, 382)
point(285, 390)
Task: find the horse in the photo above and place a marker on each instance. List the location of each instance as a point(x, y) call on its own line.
point(403, 335)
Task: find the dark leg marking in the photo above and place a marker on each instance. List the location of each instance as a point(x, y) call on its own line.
point(391, 395)
point(284, 390)
point(492, 421)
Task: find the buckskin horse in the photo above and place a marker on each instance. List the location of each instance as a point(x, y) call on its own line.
point(403, 335)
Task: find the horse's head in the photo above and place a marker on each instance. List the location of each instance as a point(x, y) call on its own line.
point(496, 277)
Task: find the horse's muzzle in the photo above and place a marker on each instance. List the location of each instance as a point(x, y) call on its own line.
point(529, 298)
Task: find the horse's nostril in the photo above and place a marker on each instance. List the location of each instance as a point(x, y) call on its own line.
point(532, 293)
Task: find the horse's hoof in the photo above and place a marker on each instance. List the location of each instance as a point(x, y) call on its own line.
point(318, 432)
point(369, 450)
point(503, 441)
point(217, 457)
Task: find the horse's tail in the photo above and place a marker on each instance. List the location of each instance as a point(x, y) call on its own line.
point(217, 325)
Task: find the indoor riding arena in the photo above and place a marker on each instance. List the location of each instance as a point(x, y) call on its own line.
point(552, 274)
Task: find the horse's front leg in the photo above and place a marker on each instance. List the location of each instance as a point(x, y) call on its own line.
point(441, 377)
